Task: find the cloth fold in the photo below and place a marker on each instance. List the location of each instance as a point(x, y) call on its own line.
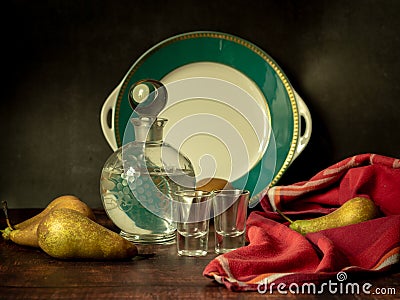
point(277, 254)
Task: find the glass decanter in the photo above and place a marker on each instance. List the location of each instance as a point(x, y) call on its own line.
point(139, 179)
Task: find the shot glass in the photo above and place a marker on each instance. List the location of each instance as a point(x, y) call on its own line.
point(193, 222)
point(230, 214)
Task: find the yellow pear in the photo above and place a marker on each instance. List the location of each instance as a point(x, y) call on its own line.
point(24, 233)
point(61, 201)
point(353, 211)
point(67, 234)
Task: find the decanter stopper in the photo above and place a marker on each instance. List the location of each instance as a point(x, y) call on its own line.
point(148, 97)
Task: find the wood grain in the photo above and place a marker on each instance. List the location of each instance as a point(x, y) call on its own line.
point(159, 273)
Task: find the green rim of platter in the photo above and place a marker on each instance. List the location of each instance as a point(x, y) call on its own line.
point(227, 49)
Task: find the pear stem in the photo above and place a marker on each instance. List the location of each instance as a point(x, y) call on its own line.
point(5, 210)
point(284, 216)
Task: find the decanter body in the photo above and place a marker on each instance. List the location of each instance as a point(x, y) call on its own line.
point(138, 181)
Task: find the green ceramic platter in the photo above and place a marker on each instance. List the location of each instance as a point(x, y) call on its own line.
point(232, 51)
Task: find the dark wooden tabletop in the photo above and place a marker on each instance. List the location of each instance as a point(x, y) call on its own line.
point(29, 273)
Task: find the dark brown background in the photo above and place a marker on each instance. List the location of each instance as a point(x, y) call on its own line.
point(61, 59)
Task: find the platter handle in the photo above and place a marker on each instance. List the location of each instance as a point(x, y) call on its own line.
point(304, 114)
point(108, 128)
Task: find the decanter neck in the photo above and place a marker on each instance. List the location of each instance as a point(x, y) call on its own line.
point(148, 129)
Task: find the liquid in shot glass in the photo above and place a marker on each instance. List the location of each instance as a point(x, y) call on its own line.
point(230, 209)
point(193, 224)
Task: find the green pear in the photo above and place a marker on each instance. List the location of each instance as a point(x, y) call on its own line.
point(353, 211)
point(67, 234)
